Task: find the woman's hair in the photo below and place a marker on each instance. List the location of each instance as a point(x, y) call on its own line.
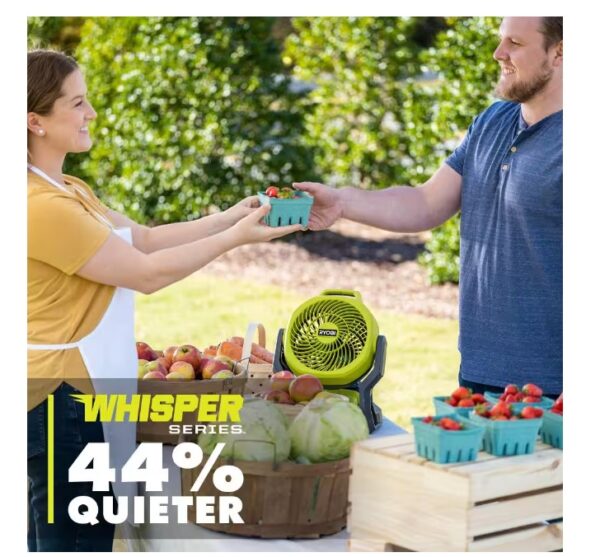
point(46, 72)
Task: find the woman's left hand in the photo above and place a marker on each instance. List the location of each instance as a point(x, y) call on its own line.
point(240, 210)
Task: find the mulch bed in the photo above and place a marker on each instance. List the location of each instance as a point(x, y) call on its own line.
point(381, 265)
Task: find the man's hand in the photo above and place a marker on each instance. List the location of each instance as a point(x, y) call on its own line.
point(327, 205)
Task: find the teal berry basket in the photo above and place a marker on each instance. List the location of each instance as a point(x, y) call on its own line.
point(545, 403)
point(442, 446)
point(287, 211)
point(508, 437)
point(552, 429)
point(443, 408)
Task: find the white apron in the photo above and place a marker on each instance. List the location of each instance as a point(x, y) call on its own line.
point(110, 357)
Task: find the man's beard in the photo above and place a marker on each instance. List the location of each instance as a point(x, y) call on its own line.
point(523, 91)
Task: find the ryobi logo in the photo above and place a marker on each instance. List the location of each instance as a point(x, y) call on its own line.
point(327, 332)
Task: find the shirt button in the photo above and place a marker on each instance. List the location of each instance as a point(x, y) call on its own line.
point(513, 149)
point(505, 167)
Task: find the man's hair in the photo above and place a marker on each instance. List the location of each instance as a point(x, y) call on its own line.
point(552, 29)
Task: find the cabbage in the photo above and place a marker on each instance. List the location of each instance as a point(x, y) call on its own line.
point(265, 436)
point(326, 429)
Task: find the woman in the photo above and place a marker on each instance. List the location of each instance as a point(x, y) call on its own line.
point(84, 262)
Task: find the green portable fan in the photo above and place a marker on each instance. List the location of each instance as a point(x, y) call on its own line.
point(335, 337)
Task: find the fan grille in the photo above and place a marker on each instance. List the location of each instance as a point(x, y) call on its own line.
point(345, 349)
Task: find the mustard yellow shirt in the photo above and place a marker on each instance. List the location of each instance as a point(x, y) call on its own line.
point(63, 233)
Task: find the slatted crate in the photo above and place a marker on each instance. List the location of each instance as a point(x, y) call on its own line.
point(402, 502)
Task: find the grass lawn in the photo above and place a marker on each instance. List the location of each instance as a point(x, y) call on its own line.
point(422, 359)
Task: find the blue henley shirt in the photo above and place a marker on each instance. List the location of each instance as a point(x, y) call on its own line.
point(510, 308)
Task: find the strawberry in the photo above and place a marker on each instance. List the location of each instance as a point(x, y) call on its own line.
point(466, 403)
point(451, 401)
point(450, 424)
point(428, 419)
point(461, 392)
point(500, 409)
point(511, 398)
point(478, 398)
point(482, 410)
point(532, 399)
point(531, 412)
point(503, 396)
point(272, 191)
point(511, 389)
point(519, 397)
point(531, 390)
point(499, 417)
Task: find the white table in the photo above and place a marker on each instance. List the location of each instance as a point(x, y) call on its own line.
point(191, 537)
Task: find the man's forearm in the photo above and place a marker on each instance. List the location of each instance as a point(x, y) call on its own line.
point(398, 208)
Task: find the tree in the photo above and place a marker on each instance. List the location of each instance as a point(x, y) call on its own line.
point(192, 112)
point(442, 109)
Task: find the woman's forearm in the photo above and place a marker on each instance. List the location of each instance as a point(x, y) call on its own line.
point(170, 264)
point(169, 235)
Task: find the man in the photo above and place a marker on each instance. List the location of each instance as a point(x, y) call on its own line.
point(506, 179)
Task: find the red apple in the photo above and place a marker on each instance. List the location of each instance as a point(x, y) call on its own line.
point(144, 352)
point(281, 380)
point(212, 367)
point(181, 370)
point(280, 397)
point(188, 353)
point(223, 374)
point(154, 375)
point(141, 368)
point(169, 354)
point(227, 360)
point(305, 387)
point(155, 365)
point(181, 366)
point(164, 362)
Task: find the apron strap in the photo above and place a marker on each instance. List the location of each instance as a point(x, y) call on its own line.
point(52, 346)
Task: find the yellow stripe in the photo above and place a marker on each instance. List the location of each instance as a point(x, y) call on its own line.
point(50, 459)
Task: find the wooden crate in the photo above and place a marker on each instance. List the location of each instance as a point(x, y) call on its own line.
point(402, 502)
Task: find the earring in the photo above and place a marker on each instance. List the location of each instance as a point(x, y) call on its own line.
point(41, 132)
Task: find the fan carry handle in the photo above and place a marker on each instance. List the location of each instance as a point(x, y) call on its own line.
point(342, 292)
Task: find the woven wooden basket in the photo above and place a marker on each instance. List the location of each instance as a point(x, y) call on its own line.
point(288, 500)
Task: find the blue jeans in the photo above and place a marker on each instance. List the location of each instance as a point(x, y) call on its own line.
point(71, 434)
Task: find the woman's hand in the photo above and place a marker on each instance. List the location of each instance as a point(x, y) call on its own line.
point(250, 229)
point(240, 210)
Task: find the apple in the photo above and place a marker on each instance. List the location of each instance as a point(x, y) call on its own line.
point(188, 353)
point(227, 360)
point(214, 366)
point(141, 368)
point(155, 365)
point(144, 352)
point(281, 380)
point(154, 375)
point(168, 352)
point(184, 372)
point(163, 361)
point(223, 374)
point(305, 387)
point(183, 367)
point(280, 397)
